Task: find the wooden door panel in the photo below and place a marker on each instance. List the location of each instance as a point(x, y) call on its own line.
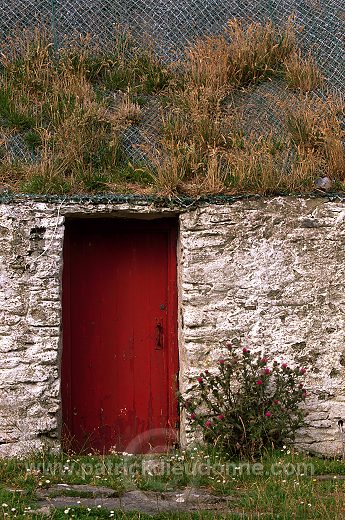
point(119, 350)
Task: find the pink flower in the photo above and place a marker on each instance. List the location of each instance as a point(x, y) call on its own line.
point(276, 401)
point(259, 382)
point(267, 371)
point(284, 365)
point(264, 360)
point(221, 417)
point(200, 379)
point(267, 414)
point(206, 372)
point(221, 361)
point(302, 371)
point(193, 416)
point(208, 424)
point(304, 394)
point(245, 350)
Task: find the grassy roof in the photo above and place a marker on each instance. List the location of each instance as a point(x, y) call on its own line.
point(88, 120)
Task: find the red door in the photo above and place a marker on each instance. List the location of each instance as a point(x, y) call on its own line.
point(119, 360)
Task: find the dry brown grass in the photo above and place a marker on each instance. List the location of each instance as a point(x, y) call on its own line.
point(193, 131)
point(240, 56)
point(77, 133)
point(170, 166)
point(216, 172)
point(258, 51)
point(315, 129)
point(74, 107)
point(302, 73)
point(27, 59)
point(125, 111)
point(207, 61)
point(204, 144)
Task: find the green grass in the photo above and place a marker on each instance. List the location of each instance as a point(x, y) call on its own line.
point(285, 485)
point(11, 117)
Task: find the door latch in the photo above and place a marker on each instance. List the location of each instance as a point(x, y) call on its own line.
point(159, 336)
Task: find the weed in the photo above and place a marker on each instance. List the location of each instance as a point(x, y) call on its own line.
point(207, 62)
point(257, 52)
point(317, 133)
point(246, 406)
point(27, 60)
point(302, 73)
point(241, 56)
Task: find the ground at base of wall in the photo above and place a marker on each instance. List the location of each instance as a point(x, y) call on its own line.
point(149, 502)
point(183, 485)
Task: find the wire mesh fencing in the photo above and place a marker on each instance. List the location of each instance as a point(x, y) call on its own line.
point(172, 24)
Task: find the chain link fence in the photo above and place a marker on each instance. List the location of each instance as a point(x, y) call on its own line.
point(172, 24)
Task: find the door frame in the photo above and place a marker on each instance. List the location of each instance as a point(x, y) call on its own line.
point(167, 223)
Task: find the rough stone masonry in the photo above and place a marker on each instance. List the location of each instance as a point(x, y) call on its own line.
point(267, 274)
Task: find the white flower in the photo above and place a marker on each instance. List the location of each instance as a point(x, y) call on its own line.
point(4, 505)
point(47, 481)
point(99, 506)
point(66, 511)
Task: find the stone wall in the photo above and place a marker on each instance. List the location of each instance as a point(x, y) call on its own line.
point(268, 274)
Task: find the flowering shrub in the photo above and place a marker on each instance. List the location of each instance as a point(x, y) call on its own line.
point(247, 405)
